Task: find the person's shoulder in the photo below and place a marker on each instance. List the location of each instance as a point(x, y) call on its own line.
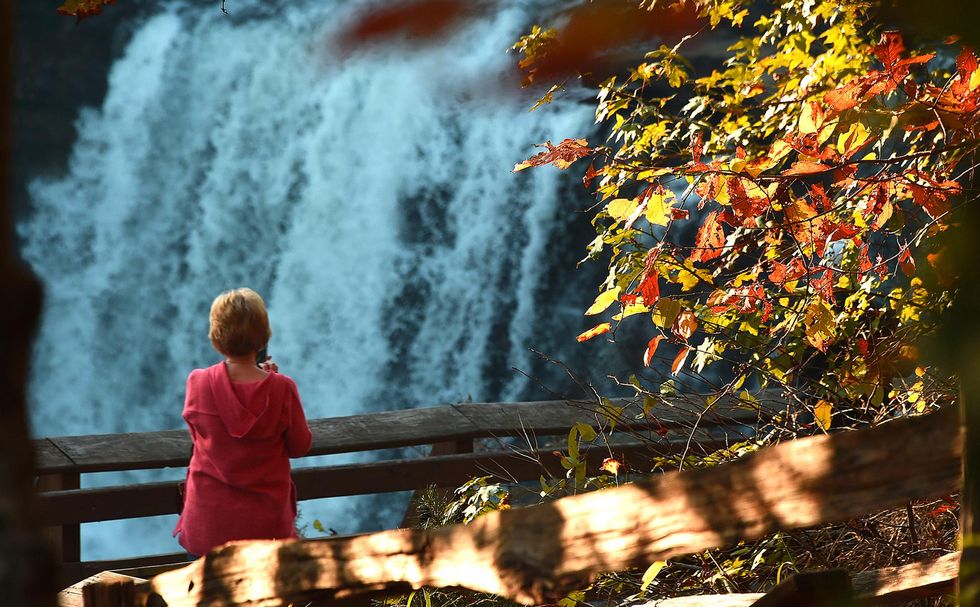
point(285, 380)
point(198, 375)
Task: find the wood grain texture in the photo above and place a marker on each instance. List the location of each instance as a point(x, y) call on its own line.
point(152, 499)
point(391, 429)
point(536, 554)
point(932, 577)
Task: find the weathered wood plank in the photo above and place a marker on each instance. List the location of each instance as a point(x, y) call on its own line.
point(389, 429)
point(536, 554)
point(556, 417)
point(73, 596)
point(386, 429)
point(131, 451)
point(903, 583)
point(145, 567)
point(908, 582)
point(49, 458)
point(153, 499)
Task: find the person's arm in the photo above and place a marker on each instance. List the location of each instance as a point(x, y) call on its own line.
point(299, 438)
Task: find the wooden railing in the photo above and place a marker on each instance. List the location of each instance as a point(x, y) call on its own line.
point(535, 555)
point(450, 429)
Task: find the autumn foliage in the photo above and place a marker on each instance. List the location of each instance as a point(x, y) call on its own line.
point(777, 220)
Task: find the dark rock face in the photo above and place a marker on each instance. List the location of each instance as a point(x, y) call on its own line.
point(60, 67)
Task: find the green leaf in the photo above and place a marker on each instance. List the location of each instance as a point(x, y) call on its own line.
point(666, 313)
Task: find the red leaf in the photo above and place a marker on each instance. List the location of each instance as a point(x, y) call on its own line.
point(678, 214)
point(80, 9)
point(864, 262)
point(679, 360)
point(744, 206)
point(824, 286)
point(651, 350)
point(561, 155)
point(906, 262)
point(783, 273)
point(841, 231)
point(710, 240)
point(934, 200)
point(966, 64)
point(697, 147)
point(649, 288)
point(890, 48)
point(590, 174)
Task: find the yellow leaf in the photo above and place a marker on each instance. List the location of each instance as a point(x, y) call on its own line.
point(651, 573)
point(621, 208)
point(630, 310)
point(819, 324)
point(974, 80)
point(603, 301)
point(811, 119)
point(658, 208)
point(822, 412)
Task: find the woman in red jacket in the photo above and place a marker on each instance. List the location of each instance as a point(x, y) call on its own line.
point(245, 423)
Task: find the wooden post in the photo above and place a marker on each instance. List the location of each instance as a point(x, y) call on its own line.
point(464, 445)
point(66, 539)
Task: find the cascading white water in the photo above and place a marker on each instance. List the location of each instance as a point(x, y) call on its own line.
point(369, 198)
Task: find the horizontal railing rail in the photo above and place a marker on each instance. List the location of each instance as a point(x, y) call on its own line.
point(451, 429)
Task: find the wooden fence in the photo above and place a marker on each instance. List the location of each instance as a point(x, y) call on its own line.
point(537, 554)
point(450, 429)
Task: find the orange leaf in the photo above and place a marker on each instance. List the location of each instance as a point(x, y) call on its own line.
point(596, 330)
point(611, 465)
point(710, 240)
point(561, 155)
point(651, 349)
point(679, 360)
point(806, 167)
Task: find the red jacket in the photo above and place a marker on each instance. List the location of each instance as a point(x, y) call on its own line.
point(238, 483)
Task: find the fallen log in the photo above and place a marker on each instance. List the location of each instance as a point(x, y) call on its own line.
point(537, 554)
point(903, 583)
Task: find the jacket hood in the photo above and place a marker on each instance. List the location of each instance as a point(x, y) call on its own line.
point(257, 418)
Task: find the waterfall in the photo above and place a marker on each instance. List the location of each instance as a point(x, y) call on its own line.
point(367, 197)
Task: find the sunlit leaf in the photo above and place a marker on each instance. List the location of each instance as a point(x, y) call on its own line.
point(594, 331)
point(822, 412)
point(603, 301)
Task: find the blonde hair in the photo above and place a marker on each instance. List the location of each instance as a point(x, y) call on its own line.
point(239, 323)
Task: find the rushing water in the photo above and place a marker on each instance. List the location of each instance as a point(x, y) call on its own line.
point(369, 198)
